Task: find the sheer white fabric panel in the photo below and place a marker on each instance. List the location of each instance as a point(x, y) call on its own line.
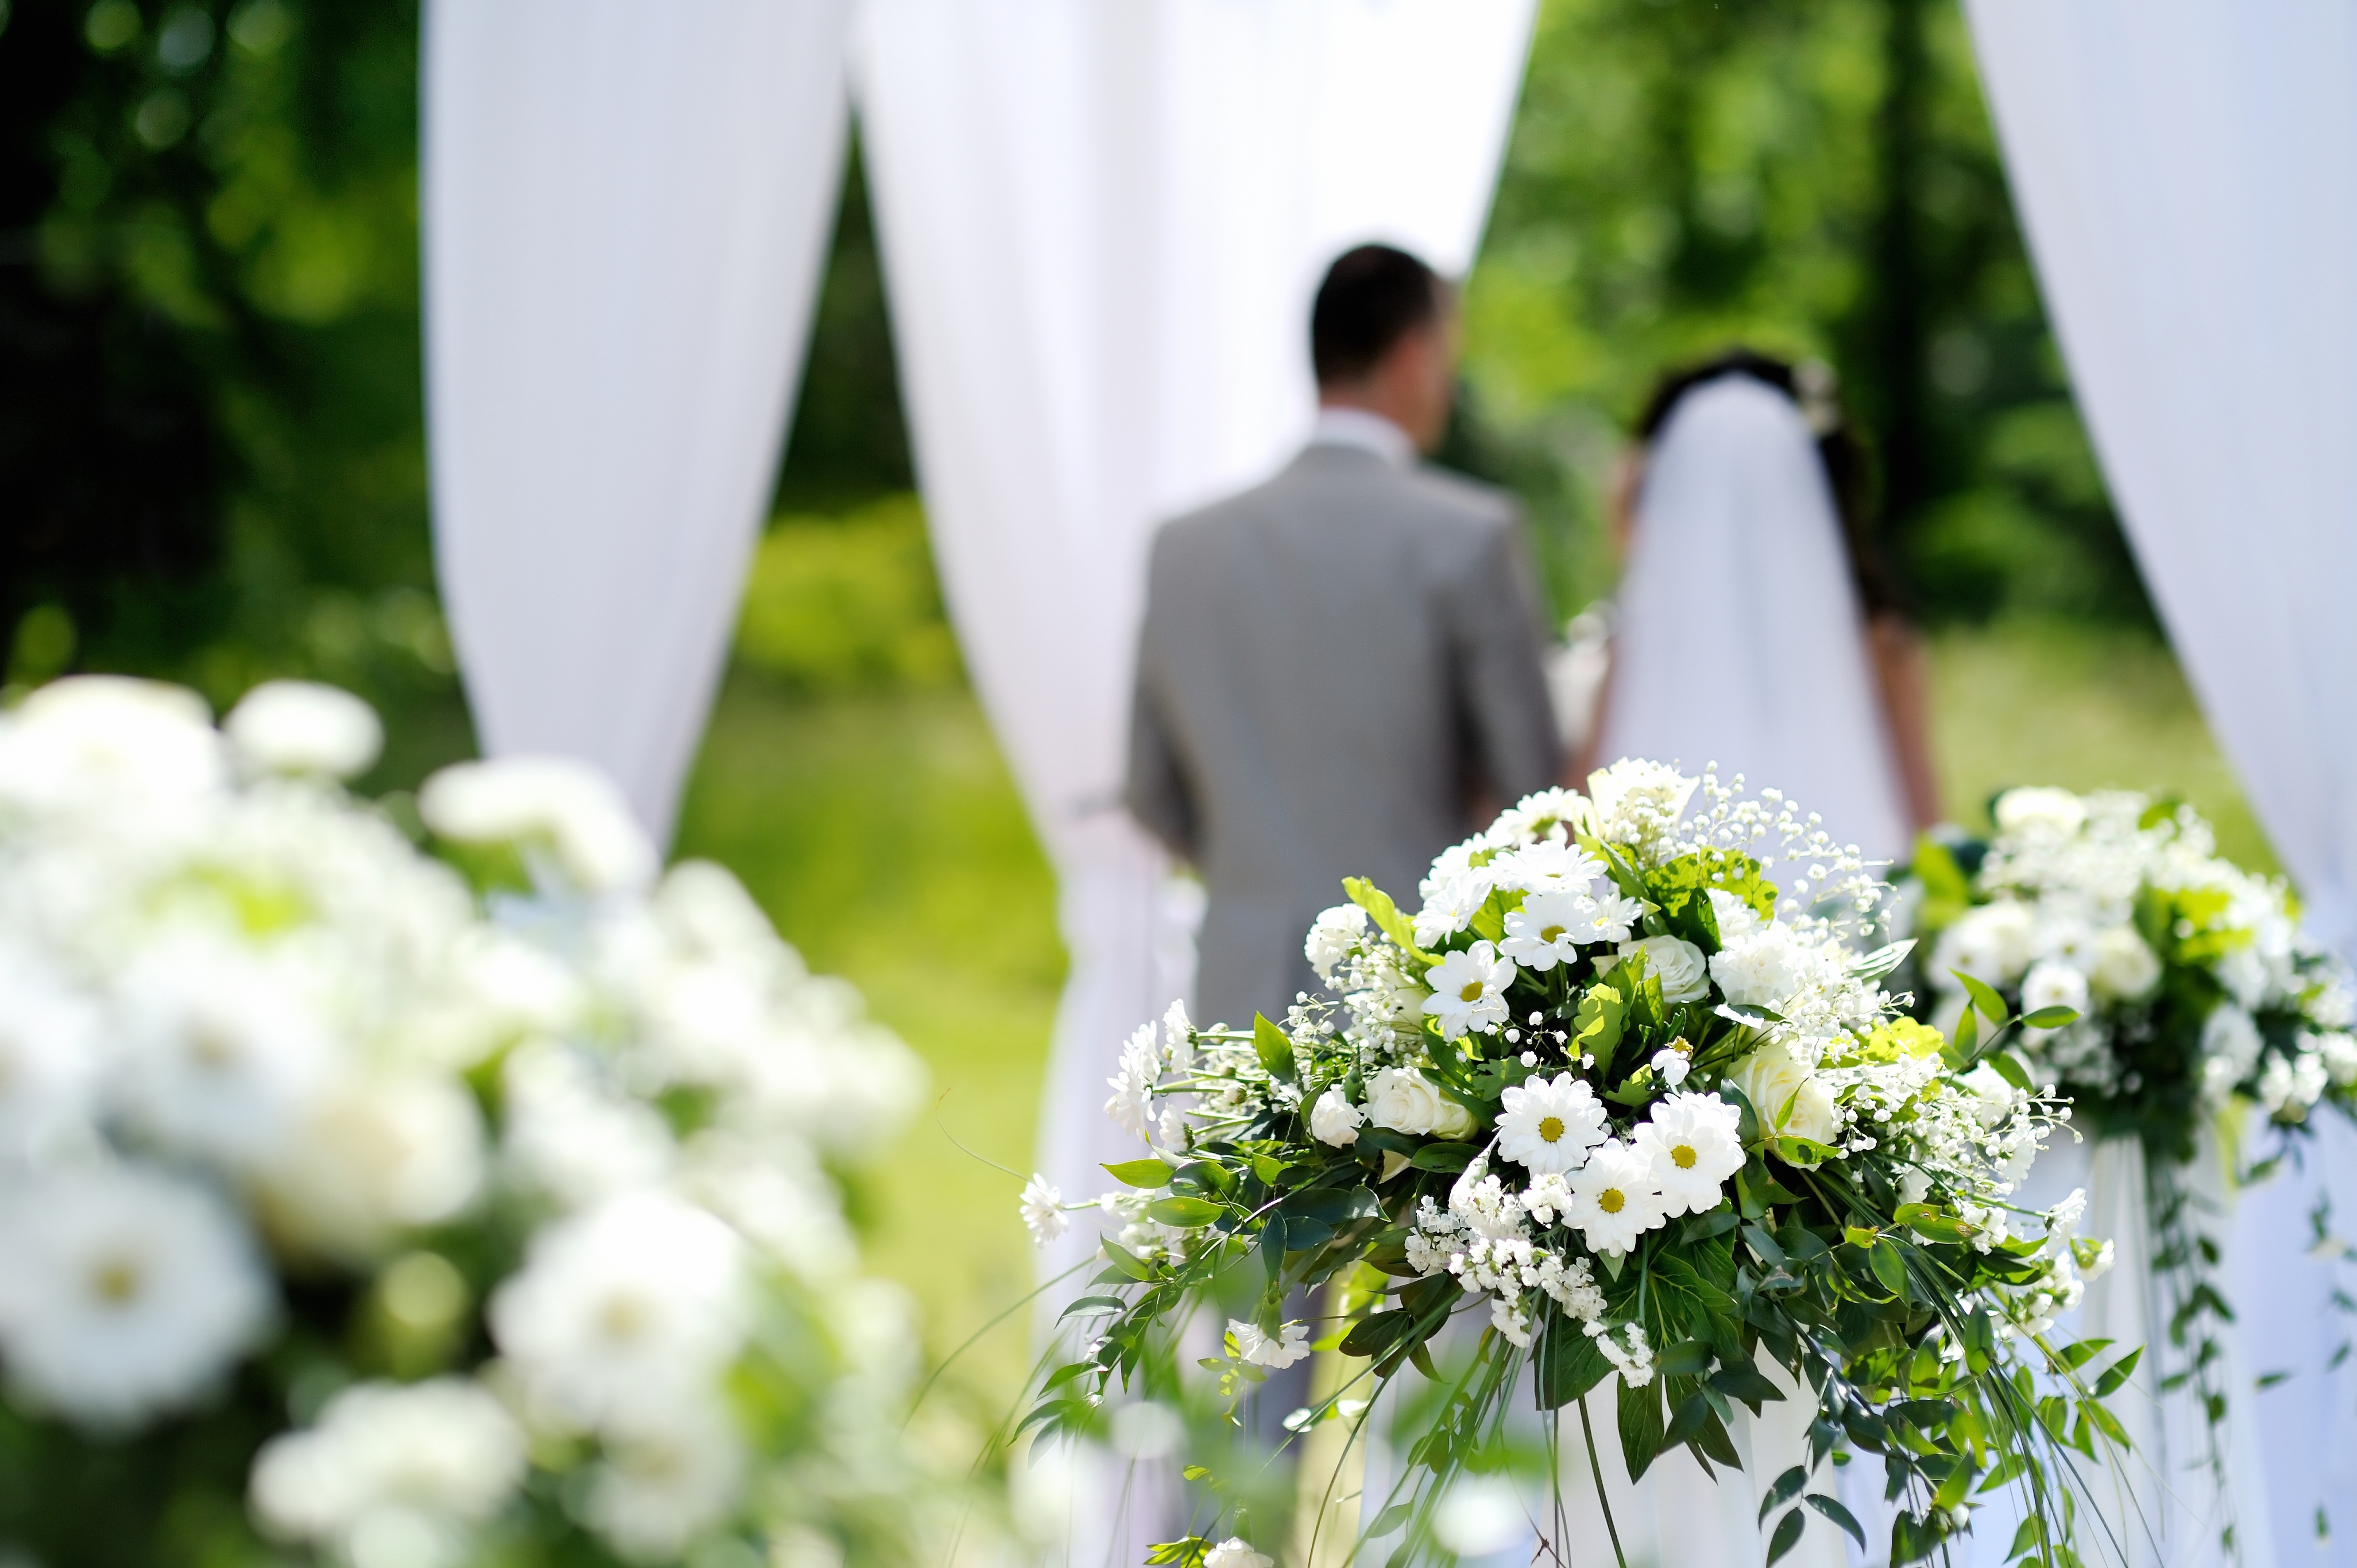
point(625, 211)
point(2187, 173)
point(1103, 221)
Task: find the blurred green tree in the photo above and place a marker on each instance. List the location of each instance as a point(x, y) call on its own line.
point(1818, 179)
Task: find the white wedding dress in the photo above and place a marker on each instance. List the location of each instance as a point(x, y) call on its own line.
point(1740, 638)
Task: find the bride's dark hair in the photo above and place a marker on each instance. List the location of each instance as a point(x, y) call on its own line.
point(1848, 467)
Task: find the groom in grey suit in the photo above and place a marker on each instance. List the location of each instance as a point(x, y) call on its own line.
point(1340, 666)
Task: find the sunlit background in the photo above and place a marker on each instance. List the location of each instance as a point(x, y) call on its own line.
point(212, 466)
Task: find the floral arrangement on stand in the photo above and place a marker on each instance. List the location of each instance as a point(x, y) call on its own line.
point(2198, 1002)
point(1630, 1110)
point(397, 1215)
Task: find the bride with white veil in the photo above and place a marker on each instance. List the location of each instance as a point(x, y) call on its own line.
point(1754, 629)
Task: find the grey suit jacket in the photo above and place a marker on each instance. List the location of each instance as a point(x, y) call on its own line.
point(1332, 665)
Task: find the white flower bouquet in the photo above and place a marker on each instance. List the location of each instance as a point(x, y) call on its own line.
point(1634, 1112)
point(352, 1209)
point(2198, 1004)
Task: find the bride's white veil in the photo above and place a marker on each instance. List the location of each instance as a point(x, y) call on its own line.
point(1742, 640)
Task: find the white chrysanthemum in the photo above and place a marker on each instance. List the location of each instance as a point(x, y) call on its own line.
point(375, 1155)
point(442, 1453)
point(638, 1301)
point(1547, 866)
point(550, 803)
point(1693, 1144)
point(126, 1292)
point(1615, 1199)
point(1684, 972)
point(1233, 1553)
point(302, 726)
point(1276, 1352)
point(1759, 969)
point(2230, 1036)
point(1043, 1210)
point(2124, 968)
point(108, 742)
point(1336, 933)
point(1450, 908)
point(1991, 942)
point(2053, 984)
point(1334, 1120)
point(1132, 1104)
point(1734, 916)
point(224, 1050)
point(1469, 990)
point(2040, 808)
point(1548, 930)
point(570, 1138)
point(669, 1475)
point(1550, 1125)
point(50, 1060)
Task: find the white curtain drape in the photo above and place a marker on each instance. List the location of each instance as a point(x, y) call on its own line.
point(2187, 173)
point(1103, 221)
point(625, 211)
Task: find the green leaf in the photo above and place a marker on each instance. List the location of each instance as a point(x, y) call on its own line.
point(2117, 1375)
point(1931, 1219)
point(1838, 1514)
point(1274, 1049)
point(1965, 1041)
point(1641, 1427)
point(1390, 1520)
point(2052, 1017)
point(1742, 1380)
point(1140, 1173)
point(1787, 1535)
point(1713, 1440)
point(1187, 1213)
point(1386, 916)
point(2108, 1423)
point(1888, 1267)
point(1788, 1487)
point(1194, 1473)
point(1378, 1333)
point(1603, 1014)
point(2075, 1356)
point(1984, 997)
point(1568, 1364)
point(1686, 1358)
point(2009, 1068)
point(1449, 1157)
point(1128, 1261)
point(1093, 1303)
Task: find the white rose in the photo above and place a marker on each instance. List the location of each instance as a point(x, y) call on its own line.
point(1991, 943)
point(2054, 985)
point(2125, 968)
point(1789, 1097)
point(1233, 1553)
point(1334, 1119)
point(1684, 972)
point(1405, 1101)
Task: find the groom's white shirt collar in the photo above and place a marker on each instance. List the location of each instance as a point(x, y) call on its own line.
point(1367, 432)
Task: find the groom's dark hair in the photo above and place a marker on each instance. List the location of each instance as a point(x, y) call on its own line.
point(1373, 296)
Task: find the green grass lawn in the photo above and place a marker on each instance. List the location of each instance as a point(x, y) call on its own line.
point(884, 836)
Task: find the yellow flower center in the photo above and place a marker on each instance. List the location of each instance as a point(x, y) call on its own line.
point(1551, 933)
point(1551, 1128)
point(1611, 1202)
point(116, 1281)
point(1683, 1156)
point(1472, 992)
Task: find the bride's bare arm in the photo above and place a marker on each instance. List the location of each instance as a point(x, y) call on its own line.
point(1901, 681)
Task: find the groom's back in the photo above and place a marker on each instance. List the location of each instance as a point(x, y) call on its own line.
point(1332, 664)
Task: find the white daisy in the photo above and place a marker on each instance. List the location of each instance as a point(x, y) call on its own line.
point(1277, 1351)
point(1043, 1210)
point(1469, 990)
point(1692, 1143)
point(1451, 906)
point(1550, 1125)
point(1615, 1199)
point(1547, 866)
point(1548, 928)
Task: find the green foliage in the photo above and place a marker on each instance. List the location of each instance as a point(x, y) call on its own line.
point(1816, 179)
point(842, 604)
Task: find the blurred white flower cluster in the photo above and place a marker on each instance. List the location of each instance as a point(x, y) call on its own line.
point(2189, 974)
point(259, 1054)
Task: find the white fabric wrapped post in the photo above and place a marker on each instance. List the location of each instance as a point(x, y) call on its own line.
point(2186, 174)
point(624, 212)
point(1736, 514)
